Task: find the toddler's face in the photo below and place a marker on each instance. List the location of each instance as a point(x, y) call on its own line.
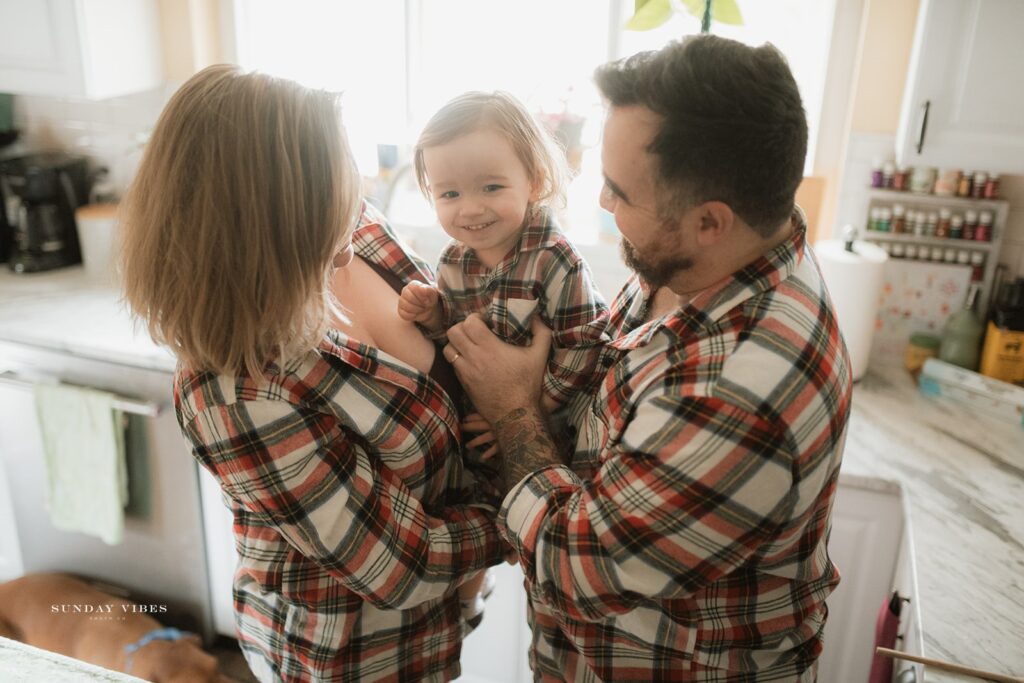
point(481, 191)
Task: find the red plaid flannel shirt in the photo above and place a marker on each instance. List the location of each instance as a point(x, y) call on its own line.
point(543, 274)
point(336, 469)
point(688, 540)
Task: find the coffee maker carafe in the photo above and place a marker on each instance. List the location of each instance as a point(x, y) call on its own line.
point(41, 193)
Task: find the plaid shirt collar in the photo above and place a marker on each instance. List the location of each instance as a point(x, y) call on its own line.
point(539, 233)
point(711, 304)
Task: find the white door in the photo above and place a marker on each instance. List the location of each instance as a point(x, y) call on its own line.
point(963, 106)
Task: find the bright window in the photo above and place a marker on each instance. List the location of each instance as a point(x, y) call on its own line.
point(398, 61)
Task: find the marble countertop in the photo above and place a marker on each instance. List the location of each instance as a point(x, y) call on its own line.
point(64, 310)
point(963, 477)
point(963, 474)
point(20, 663)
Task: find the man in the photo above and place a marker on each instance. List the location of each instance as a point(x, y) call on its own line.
point(685, 538)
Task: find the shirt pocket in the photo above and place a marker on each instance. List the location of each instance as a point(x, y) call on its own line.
point(510, 319)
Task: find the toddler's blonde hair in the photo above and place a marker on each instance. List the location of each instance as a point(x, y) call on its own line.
point(501, 112)
point(245, 193)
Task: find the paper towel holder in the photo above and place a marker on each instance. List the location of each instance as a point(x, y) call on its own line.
point(849, 237)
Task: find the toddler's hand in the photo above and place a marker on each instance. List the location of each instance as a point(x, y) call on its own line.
point(420, 303)
point(475, 423)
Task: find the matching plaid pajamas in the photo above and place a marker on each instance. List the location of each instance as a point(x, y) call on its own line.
point(543, 275)
point(338, 468)
point(687, 540)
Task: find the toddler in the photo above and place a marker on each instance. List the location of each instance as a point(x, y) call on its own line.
point(493, 175)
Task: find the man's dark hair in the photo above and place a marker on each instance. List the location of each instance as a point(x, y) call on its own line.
point(733, 127)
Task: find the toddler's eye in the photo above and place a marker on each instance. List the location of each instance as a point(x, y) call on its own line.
point(450, 194)
point(492, 188)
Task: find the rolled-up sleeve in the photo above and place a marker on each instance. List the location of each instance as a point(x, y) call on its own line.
point(691, 491)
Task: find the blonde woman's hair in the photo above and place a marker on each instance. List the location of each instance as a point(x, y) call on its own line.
point(501, 112)
point(245, 193)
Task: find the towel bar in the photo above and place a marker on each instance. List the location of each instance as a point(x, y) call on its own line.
point(122, 403)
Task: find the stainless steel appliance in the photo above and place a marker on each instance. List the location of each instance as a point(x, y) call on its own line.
point(40, 193)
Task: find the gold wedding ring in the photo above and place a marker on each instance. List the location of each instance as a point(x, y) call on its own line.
point(455, 358)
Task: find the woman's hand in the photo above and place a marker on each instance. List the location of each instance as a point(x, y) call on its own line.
point(421, 303)
point(499, 377)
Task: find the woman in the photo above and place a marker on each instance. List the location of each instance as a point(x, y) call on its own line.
point(334, 449)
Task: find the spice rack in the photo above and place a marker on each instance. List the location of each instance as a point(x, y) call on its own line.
point(908, 244)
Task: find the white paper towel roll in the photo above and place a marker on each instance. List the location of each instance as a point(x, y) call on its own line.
point(854, 280)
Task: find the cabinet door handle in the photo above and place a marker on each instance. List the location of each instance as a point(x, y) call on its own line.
point(924, 125)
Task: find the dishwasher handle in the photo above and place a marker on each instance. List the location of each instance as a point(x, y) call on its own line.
point(123, 403)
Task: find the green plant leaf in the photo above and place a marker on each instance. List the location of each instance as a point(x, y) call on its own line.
point(650, 14)
point(727, 12)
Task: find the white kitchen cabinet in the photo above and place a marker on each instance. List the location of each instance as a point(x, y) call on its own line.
point(965, 89)
point(91, 49)
point(867, 528)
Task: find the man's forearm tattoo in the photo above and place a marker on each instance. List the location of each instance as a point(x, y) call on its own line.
point(526, 445)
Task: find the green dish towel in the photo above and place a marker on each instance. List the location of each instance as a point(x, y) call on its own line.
point(83, 441)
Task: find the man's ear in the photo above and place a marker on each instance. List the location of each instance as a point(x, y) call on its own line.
point(716, 221)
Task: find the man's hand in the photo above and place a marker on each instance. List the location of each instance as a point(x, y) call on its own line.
point(499, 377)
point(504, 383)
point(420, 303)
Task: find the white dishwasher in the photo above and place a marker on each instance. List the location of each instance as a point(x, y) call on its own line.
point(163, 555)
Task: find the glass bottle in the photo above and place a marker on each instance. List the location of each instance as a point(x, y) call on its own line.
point(961, 336)
point(956, 226)
point(942, 228)
point(899, 218)
point(983, 233)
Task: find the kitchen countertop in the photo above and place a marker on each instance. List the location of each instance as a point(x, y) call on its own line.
point(64, 310)
point(963, 477)
point(21, 663)
point(962, 474)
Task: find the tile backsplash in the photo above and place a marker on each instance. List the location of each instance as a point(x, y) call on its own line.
point(110, 132)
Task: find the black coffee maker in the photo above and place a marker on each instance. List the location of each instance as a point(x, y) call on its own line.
point(40, 193)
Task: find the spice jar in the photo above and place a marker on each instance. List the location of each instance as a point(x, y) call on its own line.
point(963, 257)
point(884, 219)
point(937, 254)
point(901, 180)
point(949, 256)
point(956, 227)
point(942, 228)
point(992, 187)
point(897, 250)
point(899, 220)
point(888, 171)
point(873, 218)
point(948, 181)
point(970, 223)
point(920, 224)
point(963, 189)
point(920, 348)
point(922, 180)
point(931, 224)
point(983, 233)
point(911, 251)
point(978, 264)
point(978, 187)
point(876, 174)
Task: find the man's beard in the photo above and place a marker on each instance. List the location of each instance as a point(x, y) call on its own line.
point(654, 274)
